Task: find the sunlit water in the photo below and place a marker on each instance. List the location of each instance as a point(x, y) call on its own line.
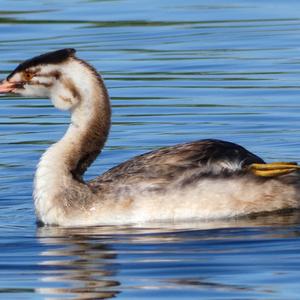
point(176, 71)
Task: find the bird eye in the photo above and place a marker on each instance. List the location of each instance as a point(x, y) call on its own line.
point(28, 76)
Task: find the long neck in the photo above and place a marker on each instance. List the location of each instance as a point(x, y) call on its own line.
point(87, 133)
point(64, 163)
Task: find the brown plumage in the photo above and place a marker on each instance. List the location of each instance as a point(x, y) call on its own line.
point(189, 161)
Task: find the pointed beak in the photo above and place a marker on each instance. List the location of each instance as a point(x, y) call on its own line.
point(6, 86)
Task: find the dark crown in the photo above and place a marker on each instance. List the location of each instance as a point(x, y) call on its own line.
point(54, 57)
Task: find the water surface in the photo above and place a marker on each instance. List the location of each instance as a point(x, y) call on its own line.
point(176, 71)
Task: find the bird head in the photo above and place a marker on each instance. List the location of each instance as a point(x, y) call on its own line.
point(45, 76)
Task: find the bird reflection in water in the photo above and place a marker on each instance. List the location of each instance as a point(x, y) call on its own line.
point(102, 262)
point(80, 265)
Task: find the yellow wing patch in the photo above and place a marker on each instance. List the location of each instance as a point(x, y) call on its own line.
point(274, 169)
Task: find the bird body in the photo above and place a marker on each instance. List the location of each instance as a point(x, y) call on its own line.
point(198, 180)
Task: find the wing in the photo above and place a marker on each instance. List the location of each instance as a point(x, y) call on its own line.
point(189, 161)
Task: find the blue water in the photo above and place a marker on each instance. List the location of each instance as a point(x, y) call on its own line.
point(176, 71)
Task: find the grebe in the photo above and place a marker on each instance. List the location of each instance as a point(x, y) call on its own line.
point(204, 179)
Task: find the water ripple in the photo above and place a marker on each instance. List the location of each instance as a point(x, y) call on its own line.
point(175, 72)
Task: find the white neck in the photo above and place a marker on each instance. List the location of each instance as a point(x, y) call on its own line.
point(58, 177)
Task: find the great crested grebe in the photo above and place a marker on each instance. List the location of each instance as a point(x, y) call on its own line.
point(198, 180)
